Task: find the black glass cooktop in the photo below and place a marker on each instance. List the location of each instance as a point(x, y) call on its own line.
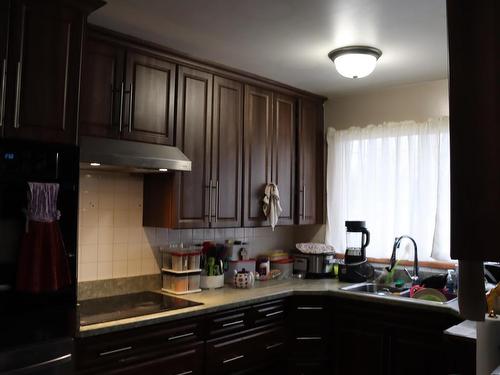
point(100, 310)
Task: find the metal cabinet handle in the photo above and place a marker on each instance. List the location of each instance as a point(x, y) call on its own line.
point(309, 308)
point(304, 200)
point(274, 313)
point(18, 96)
point(103, 354)
point(120, 120)
point(185, 372)
point(272, 346)
point(130, 107)
point(232, 323)
point(209, 187)
point(2, 102)
point(233, 359)
point(180, 336)
point(216, 200)
point(304, 338)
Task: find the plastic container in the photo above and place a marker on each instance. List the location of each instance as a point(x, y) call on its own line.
point(181, 259)
point(166, 259)
point(194, 282)
point(175, 283)
point(285, 266)
point(178, 262)
point(194, 261)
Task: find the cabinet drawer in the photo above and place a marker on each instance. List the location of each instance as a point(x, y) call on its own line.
point(272, 344)
point(269, 312)
point(181, 361)
point(237, 352)
point(309, 345)
point(103, 350)
point(310, 312)
point(228, 322)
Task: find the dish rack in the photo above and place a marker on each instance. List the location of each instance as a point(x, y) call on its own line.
point(181, 269)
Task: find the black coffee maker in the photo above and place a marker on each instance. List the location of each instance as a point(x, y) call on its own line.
point(355, 267)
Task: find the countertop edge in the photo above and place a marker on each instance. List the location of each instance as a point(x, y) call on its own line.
point(191, 312)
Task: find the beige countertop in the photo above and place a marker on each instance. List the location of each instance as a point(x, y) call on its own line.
point(229, 297)
point(467, 329)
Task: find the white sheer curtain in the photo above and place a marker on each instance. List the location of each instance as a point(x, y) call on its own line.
point(396, 177)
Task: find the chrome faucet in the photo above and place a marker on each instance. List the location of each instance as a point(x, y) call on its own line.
point(397, 243)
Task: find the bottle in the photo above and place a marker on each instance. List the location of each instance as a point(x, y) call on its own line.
point(451, 282)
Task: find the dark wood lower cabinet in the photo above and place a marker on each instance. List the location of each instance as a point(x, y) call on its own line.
point(360, 349)
point(298, 335)
point(377, 338)
point(181, 361)
point(246, 351)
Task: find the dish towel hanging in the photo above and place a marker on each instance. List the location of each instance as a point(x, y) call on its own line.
point(43, 264)
point(272, 207)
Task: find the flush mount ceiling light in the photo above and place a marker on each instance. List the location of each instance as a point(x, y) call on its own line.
point(355, 61)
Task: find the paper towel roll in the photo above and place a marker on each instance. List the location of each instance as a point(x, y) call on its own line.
point(488, 346)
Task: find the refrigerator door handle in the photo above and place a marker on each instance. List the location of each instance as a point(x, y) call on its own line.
point(36, 367)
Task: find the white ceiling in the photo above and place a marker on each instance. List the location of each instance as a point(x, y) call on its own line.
point(288, 40)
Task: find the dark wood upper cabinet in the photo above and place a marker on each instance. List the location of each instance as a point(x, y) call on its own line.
point(44, 71)
point(270, 127)
point(209, 195)
point(283, 155)
point(258, 140)
point(310, 163)
point(4, 44)
point(474, 89)
point(227, 152)
point(194, 127)
point(102, 89)
point(150, 99)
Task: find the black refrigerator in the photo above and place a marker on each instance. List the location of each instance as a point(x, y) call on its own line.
point(37, 315)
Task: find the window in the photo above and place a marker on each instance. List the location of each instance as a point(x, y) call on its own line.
point(396, 177)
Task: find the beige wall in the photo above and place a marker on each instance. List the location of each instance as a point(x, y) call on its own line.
point(416, 102)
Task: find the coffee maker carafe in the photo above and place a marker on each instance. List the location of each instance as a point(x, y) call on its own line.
point(357, 239)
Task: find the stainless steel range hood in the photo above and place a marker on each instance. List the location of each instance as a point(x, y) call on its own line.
point(132, 157)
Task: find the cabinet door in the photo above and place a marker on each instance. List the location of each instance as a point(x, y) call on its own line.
point(194, 124)
point(102, 89)
point(283, 155)
point(258, 150)
point(150, 95)
point(44, 66)
point(4, 38)
point(360, 349)
point(427, 345)
point(227, 152)
point(310, 171)
point(474, 127)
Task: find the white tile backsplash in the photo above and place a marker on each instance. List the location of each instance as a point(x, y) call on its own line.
point(112, 241)
point(120, 269)
point(104, 270)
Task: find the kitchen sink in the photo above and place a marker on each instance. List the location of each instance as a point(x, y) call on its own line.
point(388, 290)
point(373, 288)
